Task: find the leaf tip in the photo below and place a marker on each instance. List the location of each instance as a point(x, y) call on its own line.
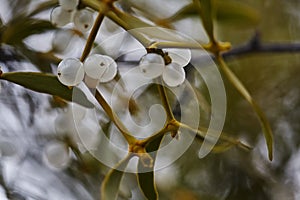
point(270, 156)
point(270, 152)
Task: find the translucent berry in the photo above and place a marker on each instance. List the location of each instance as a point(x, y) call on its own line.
point(68, 4)
point(61, 40)
point(83, 20)
point(95, 66)
point(152, 65)
point(60, 17)
point(111, 71)
point(56, 155)
point(100, 67)
point(173, 75)
point(180, 56)
point(70, 71)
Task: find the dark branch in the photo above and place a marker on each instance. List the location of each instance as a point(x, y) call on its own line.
point(256, 46)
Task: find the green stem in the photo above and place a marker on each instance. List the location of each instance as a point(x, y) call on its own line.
point(92, 36)
point(165, 100)
point(114, 118)
point(205, 10)
point(131, 24)
point(158, 134)
point(184, 45)
point(89, 44)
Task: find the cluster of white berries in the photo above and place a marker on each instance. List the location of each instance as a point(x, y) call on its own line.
point(67, 12)
point(100, 68)
point(152, 65)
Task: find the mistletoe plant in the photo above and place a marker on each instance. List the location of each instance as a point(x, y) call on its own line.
point(165, 63)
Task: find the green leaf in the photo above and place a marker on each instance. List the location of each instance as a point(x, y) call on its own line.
point(244, 92)
point(112, 181)
point(41, 60)
point(46, 83)
point(187, 11)
point(129, 21)
point(205, 10)
point(146, 173)
point(43, 6)
point(222, 148)
point(229, 12)
point(226, 141)
point(21, 27)
point(236, 13)
point(146, 181)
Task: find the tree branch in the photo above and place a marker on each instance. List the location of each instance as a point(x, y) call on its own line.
point(255, 45)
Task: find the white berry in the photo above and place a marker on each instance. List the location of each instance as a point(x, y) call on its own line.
point(57, 155)
point(152, 65)
point(180, 56)
point(68, 4)
point(95, 66)
point(173, 75)
point(70, 71)
point(111, 71)
point(60, 17)
point(83, 20)
point(100, 67)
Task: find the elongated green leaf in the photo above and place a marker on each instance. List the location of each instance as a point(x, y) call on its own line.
point(222, 148)
point(226, 141)
point(146, 173)
point(227, 12)
point(130, 22)
point(111, 183)
point(236, 13)
point(43, 6)
point(46, 83)
point(189, 10)
point(21, 27)
point(205, 9)
point(146, 181)
point(244, 92)
point(41, 60)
